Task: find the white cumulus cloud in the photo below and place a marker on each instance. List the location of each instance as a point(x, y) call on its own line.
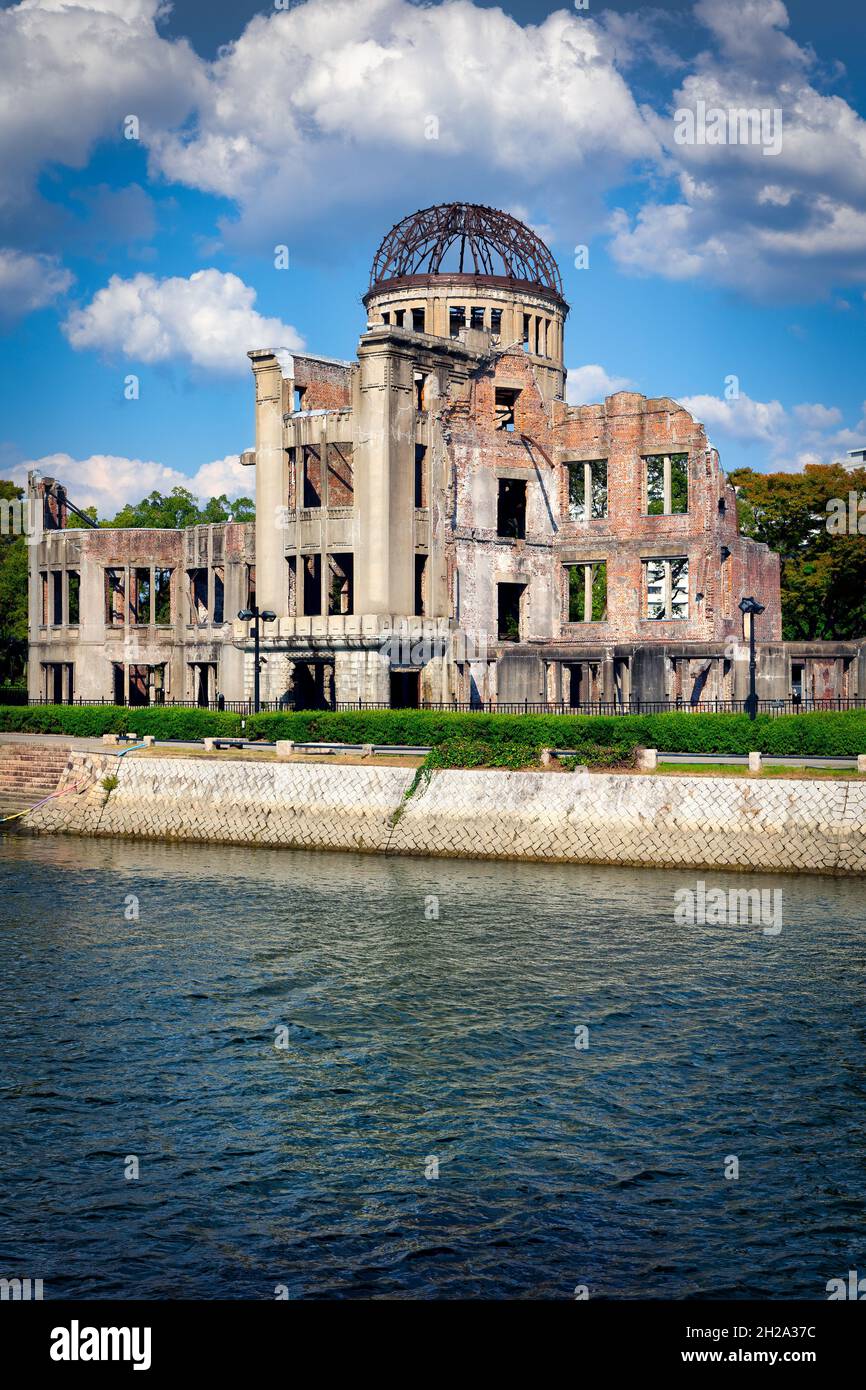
point(766, 224)
point(783, 439)
point(110, 481)
point(588, 385)
point(209, 320)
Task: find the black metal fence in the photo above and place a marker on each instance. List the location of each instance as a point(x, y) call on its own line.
point(596, 707)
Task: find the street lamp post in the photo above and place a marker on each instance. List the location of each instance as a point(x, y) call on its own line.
point(256, 616)
point(751, 607)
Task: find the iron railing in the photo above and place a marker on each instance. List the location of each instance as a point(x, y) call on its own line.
point(595, 707)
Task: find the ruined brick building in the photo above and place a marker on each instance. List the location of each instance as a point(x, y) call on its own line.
point(435, 523)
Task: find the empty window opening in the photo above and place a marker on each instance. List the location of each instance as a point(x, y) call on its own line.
point(313, 685)
point(115, 589)
point(197, 585)
point(312, 481)
point(419, 321)
point(73, 591)
point(140, 596)
point(162, 597)
point(798, 674)
point(341, 476)
point(621, 680)
point(57, 597)
point(456, 319)
point(726, 585)
point(386, 316)
point(420, 585)
point(404, 689)
point(419, 381)
point(496, 321)
point(251, 587)
point(399, 315)
point(667, 588)
point(527, 324)
point(511, 509)
point(420, 475)
point(292, 496)
point(698, 684)
point(292, 581)
point(587, 490)
point(340, 596)
point(509, 597)
point(298, 401)
point(476, 317)
point(43, 587)
point(312, 584)
point(203, 682)
point(57, 682)
point(667, 484)
point(587, 592)
point(219, 591)
point(505, 402)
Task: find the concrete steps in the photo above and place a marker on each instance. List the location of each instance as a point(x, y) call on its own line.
point(28, 773)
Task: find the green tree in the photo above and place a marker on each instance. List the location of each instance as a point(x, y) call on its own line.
point(13, 596)
point(806, 517)
point(180, 508)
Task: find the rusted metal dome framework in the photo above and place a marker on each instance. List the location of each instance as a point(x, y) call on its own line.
point(484, 242)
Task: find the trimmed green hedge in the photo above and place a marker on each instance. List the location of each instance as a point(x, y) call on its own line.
point(89, 721)
point(829, 733)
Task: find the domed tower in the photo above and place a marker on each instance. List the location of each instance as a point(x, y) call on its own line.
point(459, 267)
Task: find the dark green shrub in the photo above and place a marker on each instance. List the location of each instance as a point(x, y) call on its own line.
point(89, 721)
point(828, 733)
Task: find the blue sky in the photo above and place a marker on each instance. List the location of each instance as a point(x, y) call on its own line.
point(305, 126)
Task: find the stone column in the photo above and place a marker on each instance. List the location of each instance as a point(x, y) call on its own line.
point(271, 483)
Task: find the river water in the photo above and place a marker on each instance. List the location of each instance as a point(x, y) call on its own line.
point(288, 1047)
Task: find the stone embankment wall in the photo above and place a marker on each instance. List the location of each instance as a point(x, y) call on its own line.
point(701, 822)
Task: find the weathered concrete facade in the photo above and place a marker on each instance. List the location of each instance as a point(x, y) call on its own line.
point(435, 523)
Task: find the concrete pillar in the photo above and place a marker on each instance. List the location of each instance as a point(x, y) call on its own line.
point(271, 483)
point(385, 482)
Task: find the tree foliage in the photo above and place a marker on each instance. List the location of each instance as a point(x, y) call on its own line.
point(180, 508)
point(807, 517)
point(13, 597)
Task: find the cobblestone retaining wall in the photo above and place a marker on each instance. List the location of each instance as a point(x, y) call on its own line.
point(701, 822)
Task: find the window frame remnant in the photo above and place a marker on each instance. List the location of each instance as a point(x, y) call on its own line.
point(162, 587)
point(670, 572)
point(586, 591)
point(115, 596)
point(587, 483)
point(73, 597)
point(666, 484)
